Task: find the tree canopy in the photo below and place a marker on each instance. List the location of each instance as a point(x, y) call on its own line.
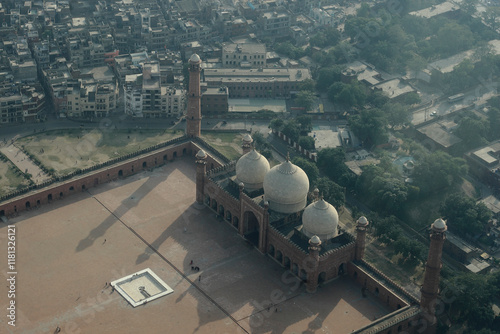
point(473, 297)
point(370, 126)
point(438, 171)
point(331, 192)
point(308, 167)
point(464, 215)
point(305, 98)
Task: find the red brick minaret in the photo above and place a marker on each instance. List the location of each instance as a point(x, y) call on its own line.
point(361, 237)
point(312, 264)
point(430, 288)
point(193, 115)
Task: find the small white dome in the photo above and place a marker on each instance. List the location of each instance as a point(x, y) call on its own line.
point(315, 240)
point(251, 169)
point(195, 58)
point(362, 221)
point(201, 154)
point(320, 218)
point(286, 187)
point(247, 138)
point(439, 225)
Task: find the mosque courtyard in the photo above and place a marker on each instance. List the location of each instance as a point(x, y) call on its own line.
point(69, 251)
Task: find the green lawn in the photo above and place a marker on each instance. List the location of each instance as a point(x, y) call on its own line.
point(67, 150)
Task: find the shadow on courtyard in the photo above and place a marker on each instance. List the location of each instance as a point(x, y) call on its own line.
point(126, 205)
point(247, 287)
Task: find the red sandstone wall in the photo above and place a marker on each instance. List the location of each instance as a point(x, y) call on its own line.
point(331, 262)
point(81, 183)
point(384, 295)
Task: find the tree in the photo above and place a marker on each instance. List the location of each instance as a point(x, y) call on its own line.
point(397, 114)
point(438, 171)
point(305, 98)
point(307, 84)
point(261, 145)
point(327, 76)
point(331, 192)
point(386, 229)
point(349, 94)
point(308, 167)
point(494, 122)
point(411, 250)
point(331, 162)
point(469, 7)
point(277, 124)
point(326, 37)
point(464, 216)
point(412, 98)
point(370, 126)
point(291, 129)
point(305, 122)
point(306, 142)
point(389, 194)
point(472, 130)
point(452, 38)
point(473, 300)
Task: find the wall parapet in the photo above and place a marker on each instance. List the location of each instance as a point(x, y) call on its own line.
point(387, 281)
point(390, 320)
point(217, 154)
point(282, 237)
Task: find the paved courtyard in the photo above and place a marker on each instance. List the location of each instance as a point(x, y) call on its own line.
point(69, 251)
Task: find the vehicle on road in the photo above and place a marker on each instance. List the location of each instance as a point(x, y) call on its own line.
point(455, 98)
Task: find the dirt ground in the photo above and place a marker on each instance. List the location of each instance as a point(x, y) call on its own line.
point(228, 144)
point(68, 150)
point(67, 251)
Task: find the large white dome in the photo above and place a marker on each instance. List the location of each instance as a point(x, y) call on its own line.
point(251, 169)
point(320, 218)
point(286, 187)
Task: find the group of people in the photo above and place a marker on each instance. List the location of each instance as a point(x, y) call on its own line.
point(194, 267)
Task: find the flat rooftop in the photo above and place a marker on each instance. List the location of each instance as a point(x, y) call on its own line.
point(436, 132)
point(435, 10)
point(69, 251)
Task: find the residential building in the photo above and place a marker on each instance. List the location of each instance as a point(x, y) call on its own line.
point(274, 23)
point(244, 55)
point(91, 100)
point(146, 96)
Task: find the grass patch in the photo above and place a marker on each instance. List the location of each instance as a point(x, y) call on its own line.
point(68, 150)
point(227, 143)
point(9, 179)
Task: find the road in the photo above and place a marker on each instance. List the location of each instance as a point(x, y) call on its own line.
point(476, 97)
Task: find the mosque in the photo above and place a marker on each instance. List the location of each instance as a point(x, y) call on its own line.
point(274, 209)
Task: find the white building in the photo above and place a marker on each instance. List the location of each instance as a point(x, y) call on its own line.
point(146, 97)
point(244, 55)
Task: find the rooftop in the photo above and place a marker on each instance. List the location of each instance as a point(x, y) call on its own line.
point(439, 133)
point(435, 10)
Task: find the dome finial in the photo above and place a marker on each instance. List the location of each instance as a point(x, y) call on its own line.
point(287, 156)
